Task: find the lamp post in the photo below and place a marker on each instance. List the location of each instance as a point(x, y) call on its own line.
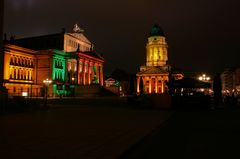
point(73, 82)
point(47, 82)
point(204, 78)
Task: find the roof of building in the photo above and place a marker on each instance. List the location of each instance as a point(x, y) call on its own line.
point(156, 31)
point(43, 42)
point(18, 49)
point(93, 54)
point(153, 70)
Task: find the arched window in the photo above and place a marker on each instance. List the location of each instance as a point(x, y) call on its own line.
point(55, 75)
point(17, 61)
point(24, 75)
point(11, 73)
point(11, 60)
point(20, 61)
point(14, 73)
point(30, 75)
point(29, 78)
point(60, 75)
point(21, 74)
point(31, 63)
point(17, 74)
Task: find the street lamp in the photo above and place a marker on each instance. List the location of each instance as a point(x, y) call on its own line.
point(204, 78)
point(47, 82)
point(73, 80)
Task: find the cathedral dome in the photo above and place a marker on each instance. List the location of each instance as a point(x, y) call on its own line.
point(156, 31)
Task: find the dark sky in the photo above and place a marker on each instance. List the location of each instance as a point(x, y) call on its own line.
point(203, 35)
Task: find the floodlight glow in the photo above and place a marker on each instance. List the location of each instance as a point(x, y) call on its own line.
point(24, 94)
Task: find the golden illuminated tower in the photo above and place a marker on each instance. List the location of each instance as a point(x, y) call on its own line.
point(157, 54)
point(155, 74)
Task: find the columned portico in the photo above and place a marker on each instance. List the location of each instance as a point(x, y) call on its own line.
point(153, 83)
point(90, 70)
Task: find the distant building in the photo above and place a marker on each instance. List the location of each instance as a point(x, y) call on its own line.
point(230, 78)
point(227, 77)
point(237, 79)
point(119, 82)
point(155, 74)
point(68, 59)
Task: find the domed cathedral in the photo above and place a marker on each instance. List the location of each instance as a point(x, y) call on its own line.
point(153, 77)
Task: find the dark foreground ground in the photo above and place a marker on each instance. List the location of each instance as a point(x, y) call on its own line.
point(77, 128)
point(109, 128)
point(193, 135)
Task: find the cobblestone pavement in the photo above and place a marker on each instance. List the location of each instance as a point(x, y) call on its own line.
point(73, 131)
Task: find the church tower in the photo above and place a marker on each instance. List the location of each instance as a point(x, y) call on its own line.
point(156, 48)
point(154, 76)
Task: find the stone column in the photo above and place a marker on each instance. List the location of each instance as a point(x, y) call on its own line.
point(78, 71)
point(138, 84)
point(89, 69)
point(101, 75)
point(84, 73)
point(156, 84)
point(81, 73)
point(150, 84)
point(162, 85)
point(97, 73)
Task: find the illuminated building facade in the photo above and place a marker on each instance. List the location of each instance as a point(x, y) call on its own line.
point(20, 71)
point(155, 74)
point(68, 59)
point(51, 64)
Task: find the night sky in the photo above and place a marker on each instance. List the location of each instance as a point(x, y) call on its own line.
point(203, 35)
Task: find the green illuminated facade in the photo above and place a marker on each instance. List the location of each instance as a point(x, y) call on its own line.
point(59, 72)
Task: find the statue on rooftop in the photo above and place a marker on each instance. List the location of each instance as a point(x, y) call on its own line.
point(77, 29)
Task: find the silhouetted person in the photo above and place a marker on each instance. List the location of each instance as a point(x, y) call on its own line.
point(217, 88)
